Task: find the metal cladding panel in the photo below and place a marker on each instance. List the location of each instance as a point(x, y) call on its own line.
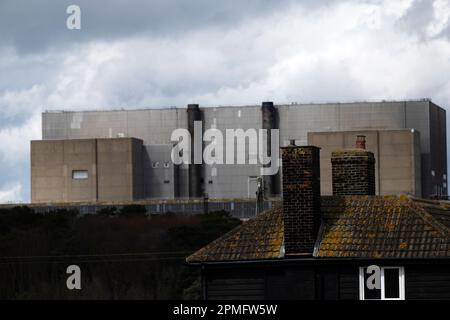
point(155, 126)
point(438, 156)
point(54, 125)
point(231, 180)
point(297, 120)
point(418, 117)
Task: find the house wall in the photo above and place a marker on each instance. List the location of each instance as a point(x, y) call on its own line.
point(318, 280)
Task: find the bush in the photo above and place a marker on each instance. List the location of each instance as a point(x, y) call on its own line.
point(107, 212)
point(133, 210)
point(210, 227)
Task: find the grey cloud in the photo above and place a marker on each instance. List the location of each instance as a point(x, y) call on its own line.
point(417, 17)
point(36, 25)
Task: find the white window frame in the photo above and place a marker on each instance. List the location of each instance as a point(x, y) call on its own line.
point(401, 283)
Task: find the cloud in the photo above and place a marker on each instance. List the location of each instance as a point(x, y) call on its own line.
point(14, 158)
point(347, 51)
point(214, 53)
point(440, 22)
point(17, 102)
point(37, 25)
point(11, 193)
point(15, 141)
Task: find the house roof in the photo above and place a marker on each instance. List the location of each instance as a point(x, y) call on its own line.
point(372, 227)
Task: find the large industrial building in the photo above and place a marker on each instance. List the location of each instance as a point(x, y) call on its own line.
point(123, 155)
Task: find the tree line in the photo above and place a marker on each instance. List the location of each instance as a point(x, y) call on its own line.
point(123, 253)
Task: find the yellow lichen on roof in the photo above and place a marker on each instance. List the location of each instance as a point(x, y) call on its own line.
point(353, 227)
point(257, 238)
point(380, 227)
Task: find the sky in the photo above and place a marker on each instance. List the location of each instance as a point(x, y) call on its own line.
point(161, 53)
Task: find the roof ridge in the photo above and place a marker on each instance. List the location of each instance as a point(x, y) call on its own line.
point(428, 218)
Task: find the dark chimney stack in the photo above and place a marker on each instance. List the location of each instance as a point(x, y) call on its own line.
point(301, 198)
point(269, 121)
point(353, 170)
point(195, 169)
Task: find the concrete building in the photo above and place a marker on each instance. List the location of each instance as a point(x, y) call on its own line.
point(397, 158)
point(89, 170)
point(379, 121)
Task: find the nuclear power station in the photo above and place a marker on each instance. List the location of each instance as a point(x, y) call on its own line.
point(125, 155)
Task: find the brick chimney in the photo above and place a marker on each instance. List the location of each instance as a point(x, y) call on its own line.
point(353, 170)
point(301, 198)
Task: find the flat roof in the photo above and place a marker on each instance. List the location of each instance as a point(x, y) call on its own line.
point(242, 106)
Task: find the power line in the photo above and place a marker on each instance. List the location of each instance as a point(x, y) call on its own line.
point(93, 261)
point(98, 255)
point(96, 258)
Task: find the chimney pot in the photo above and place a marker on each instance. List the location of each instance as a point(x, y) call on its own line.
point(361, 142)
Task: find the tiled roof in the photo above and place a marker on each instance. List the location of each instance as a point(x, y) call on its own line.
point(353, 227)
point(380, 227)
point(440, 210)
point(257, 238)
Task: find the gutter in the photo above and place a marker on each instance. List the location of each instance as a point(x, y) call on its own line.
point(323, 260)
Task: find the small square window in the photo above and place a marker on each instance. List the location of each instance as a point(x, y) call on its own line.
point(80, 174)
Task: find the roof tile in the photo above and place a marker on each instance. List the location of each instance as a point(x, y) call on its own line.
point(353, 227)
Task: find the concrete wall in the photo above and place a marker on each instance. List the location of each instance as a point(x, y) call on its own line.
point(112, 166)
point(154, 127)
point(396, 152)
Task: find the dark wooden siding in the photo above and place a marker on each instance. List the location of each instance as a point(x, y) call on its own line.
point(235, 284)
point(291, 283)
point(247, 289)
point(348, 282)
point(328, 282)
point(427, 282)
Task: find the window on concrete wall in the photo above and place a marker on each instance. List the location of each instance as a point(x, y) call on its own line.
point(80, 174)
point(392, 284)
